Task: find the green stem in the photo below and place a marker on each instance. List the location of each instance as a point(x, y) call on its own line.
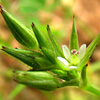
point(85, 84)
point(15, 91)
point(92, 90)
point(74, 82)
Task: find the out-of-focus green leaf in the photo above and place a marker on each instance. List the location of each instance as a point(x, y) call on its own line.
point(31, 6)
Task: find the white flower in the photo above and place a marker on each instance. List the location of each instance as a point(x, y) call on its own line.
point(73, 57)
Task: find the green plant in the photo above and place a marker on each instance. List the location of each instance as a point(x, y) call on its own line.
point(51, 67)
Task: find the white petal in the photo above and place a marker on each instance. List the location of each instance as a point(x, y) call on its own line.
point(63, 60)
point(82, 51)
point(66, 52)
point(72, 67)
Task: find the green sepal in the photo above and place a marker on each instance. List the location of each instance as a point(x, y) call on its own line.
point(89, 52)
point(22, 57)
point(22, 34)
point(29, 53)
point(55, 45)
point(45, 63)
point(49, 55)
point(61, 65)
point(37, 79)
point(74, 38)
point(43, 42)
point(61, 74)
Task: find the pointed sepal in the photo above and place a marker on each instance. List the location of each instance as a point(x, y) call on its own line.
point(74, 38)
point(42, 41)
point(89, 52)
point(55, 45)
point(49, 55)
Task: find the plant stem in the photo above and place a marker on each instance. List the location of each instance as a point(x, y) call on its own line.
point(92, 90)
point(15, 91)
point(74, 82)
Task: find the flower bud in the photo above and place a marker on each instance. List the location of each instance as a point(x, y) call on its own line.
point(22, 34)
point(37, 79)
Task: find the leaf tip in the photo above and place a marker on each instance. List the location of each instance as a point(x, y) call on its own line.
point(14, 71)
point(40, 47)
point(1, 10)
point(47, 27)
point(34, 57)
point(32, 25)
point(15, 80)
point(3, 47)
point(86, 65)
point(16, 47)
point(73, 16)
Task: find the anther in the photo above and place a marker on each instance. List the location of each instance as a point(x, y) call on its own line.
point(77, 52)
point(73, 51)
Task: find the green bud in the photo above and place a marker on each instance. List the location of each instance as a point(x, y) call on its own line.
point(27, 59)
point(37, 79)
point(22, 34)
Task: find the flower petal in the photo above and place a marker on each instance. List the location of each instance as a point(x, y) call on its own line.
point(66, 52)
point(64, 61)
point(72, 67)
point(82, 51)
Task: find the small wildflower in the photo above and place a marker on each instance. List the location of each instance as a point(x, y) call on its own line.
point(51, 63)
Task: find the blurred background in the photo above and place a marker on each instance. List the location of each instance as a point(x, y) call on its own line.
point(59, 15)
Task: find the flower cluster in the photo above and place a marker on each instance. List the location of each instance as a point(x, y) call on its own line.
point(51, 63)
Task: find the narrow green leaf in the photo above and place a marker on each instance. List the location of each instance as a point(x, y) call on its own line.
point(22, 57)
point(43, 42)
point(55, 45)
point(89, 52)
point(16, 91)
point(22, 34)
point(74, 38)
point(37, 79)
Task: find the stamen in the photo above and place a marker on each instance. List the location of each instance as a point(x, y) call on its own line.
point(73, 51)
point(78, 52)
